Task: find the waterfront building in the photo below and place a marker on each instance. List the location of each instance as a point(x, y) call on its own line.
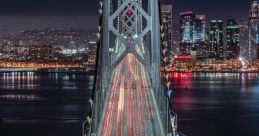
point(199, 37)
point(186, 32)
point(244, 40)
point(92, 43)
point(254, 30)
point(232, 40)
point(216, 43)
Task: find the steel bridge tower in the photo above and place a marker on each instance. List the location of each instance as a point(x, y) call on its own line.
point(130, 98)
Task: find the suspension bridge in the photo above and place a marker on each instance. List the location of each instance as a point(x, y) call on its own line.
point(131, 94)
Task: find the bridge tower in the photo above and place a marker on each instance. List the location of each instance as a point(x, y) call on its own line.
point(129, 97)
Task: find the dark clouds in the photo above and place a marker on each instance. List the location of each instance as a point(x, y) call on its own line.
point(14, 7)
point(47, 21)
point(30, 14)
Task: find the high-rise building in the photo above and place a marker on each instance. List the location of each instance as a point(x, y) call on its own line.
point(254, 30)
point(199, 36)
point(232, 40)
point(186, 32)
point(216, 44)
point(199, 33)
point(244, 39)
point(167, 16)
point(92, 42)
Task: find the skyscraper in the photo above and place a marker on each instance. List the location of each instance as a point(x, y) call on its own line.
point(92, 43)
point(232, 40)
point(199, 36)
point(254, 30)
point(167, 16)
point(186, 32)
point(216, 44)
point(244, 39)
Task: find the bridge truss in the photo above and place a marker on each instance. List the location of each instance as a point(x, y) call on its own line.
point(130, 96)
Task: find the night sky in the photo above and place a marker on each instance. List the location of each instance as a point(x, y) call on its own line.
point(30, 14)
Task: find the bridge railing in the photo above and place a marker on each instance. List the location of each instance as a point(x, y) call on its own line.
point(169, 117)
point(89, 126)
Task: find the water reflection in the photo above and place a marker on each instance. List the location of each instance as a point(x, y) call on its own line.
point(35, 81)
point(18, 80)
point(217, 103)
point(18, 97)
point(182, 80)
point(43, 103)
point(226, 75)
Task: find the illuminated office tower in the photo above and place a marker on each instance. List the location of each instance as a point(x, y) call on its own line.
point(199, 36)
point(92, 43)
point(166, 16)
point(232, 40)
point(186, 32)
point(216, 44)
point(244, 39)
point(254, 31)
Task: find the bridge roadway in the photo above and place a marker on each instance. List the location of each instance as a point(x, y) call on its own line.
point(130, 108)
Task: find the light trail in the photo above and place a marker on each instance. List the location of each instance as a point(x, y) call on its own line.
point(130, 108)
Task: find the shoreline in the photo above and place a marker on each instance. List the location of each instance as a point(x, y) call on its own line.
point(93, 71)
point(49, 70)
point(46, 72)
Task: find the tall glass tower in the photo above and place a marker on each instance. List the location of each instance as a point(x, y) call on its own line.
point(199, 36)
point(254, 30)
point(186, 32)
point(232, 40)
point(216, 46)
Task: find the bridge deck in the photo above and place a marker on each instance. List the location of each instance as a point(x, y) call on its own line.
point(130, 108)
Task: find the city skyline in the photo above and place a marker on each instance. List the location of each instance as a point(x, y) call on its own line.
point(31, 14)
point(198, 38)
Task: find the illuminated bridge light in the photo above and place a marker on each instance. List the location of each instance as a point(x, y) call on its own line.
point(129, 12)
